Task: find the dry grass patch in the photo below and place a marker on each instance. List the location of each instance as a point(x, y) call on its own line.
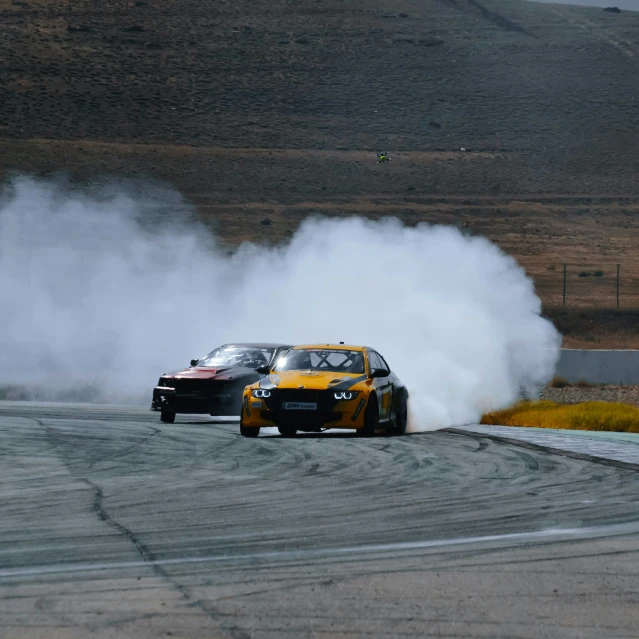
point(603, 416)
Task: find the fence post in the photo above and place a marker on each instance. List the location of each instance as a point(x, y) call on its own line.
point(618, 267)
point(564, 285)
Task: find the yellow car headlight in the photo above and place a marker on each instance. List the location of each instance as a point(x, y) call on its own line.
point(261, 392)
point(345, 395)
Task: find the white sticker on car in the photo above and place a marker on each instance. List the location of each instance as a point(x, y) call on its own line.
point(299, 406)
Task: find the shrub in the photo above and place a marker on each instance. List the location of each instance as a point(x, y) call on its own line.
point(603, 416)
point(559, 382)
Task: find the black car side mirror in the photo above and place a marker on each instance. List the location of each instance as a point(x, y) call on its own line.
point(194, 362)
point(263, 370)
point(380, 372)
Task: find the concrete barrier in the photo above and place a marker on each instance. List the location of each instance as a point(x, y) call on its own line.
point(599, 366)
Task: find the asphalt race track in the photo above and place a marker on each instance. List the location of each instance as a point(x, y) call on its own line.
point(114, 525)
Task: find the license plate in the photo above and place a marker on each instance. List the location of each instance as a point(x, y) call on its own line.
point(299, 406)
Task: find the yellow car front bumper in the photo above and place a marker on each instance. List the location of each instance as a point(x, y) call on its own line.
point(347, 414)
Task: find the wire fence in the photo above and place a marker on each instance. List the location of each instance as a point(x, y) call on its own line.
point(585, 285)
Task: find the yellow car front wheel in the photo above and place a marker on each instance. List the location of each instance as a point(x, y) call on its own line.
point(247, 431)
point(371, 418)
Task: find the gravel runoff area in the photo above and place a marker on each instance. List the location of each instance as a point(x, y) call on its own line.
point(576, 394)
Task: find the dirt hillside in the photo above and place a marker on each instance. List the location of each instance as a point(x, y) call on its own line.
point(275, 109)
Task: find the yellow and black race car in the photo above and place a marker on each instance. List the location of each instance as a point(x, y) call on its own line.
point(313, 388)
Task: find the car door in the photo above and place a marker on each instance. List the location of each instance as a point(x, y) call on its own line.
point(383, 385)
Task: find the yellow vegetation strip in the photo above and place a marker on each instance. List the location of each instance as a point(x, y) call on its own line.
point(602, 416)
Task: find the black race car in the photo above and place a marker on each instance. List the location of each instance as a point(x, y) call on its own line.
point(214, 384)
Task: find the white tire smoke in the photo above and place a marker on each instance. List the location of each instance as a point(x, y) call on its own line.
point(95, 300)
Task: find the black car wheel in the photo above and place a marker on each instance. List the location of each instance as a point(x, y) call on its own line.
point(371, 418)
point(167, 418)
point(401, 414)
point(287, 431)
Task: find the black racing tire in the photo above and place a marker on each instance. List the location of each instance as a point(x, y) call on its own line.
point(401, 414)
point(371, 418)
point(167, 418)
point(287, 431)
point(247, 431)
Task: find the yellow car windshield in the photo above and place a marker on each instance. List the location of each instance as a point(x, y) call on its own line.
point(322, 360)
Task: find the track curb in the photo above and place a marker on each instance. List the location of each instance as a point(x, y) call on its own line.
point(548, 449)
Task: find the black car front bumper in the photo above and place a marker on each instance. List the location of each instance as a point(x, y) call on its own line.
point(199, 397)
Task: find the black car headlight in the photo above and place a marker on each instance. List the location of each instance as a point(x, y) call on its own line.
point(261, 392)
point(165, 385)
point(345, 395)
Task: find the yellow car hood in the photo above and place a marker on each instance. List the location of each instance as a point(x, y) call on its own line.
point(313, 380)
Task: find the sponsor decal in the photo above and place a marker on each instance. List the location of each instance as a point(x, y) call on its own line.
point(299, 406)
point(246, 406)
point(349, 383)
point(358, 410)
point(256, 403)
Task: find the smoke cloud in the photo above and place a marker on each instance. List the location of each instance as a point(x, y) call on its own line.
point(104, 289)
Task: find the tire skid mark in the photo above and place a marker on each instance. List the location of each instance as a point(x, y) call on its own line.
point(130, 449)
point(196, 492)
point(481, 446)
point(519, 443)
point(529, 460)
point(147, 556)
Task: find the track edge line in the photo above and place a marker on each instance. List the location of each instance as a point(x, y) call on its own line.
point(548, 449)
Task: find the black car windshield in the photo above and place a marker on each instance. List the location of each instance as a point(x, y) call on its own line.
point(242, 356)
point(322, 359)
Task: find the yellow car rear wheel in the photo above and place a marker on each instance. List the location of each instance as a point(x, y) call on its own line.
point(401, 415)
